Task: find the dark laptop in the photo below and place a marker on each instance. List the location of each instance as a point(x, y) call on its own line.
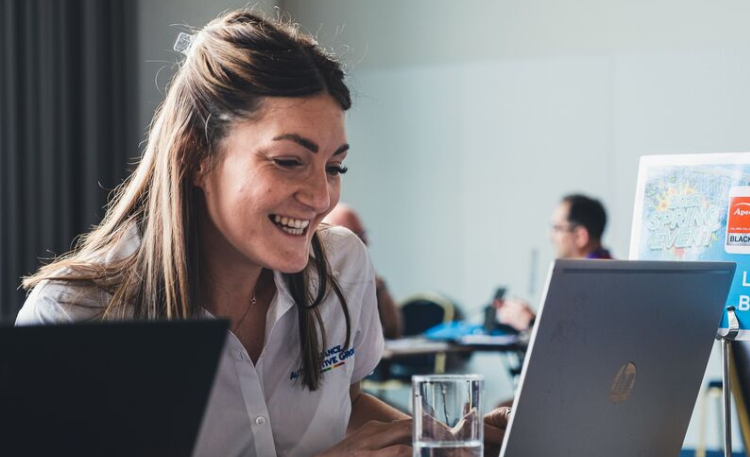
point(129, 388)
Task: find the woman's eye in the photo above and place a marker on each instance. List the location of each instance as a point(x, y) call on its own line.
point(287, 163)
point(335, 170)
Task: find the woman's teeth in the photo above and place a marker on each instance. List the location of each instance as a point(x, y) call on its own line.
point(290, 225)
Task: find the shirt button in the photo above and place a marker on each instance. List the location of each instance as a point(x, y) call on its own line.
point(260, 420)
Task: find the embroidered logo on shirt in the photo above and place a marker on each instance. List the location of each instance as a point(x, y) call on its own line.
point(333, 357)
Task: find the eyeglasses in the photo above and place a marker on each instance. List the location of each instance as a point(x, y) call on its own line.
point(564, 228)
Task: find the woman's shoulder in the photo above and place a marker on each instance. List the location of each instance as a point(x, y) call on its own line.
point(55, 301)
point(347, 255)
point(62, 298)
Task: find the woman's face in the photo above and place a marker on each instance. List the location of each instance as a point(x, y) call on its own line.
point(275, 179)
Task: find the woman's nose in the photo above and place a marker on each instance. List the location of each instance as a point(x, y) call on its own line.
point(315, 192)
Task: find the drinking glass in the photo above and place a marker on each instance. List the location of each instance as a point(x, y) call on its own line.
point(448, 415)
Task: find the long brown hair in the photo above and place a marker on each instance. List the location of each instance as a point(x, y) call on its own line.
point(233, 64)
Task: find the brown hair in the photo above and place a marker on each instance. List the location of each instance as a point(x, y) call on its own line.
point(233, 64)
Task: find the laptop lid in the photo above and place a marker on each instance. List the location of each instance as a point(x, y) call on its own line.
point(616, 358)
point(128, 388)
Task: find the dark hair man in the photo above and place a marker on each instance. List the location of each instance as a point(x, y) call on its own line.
point(578, 223)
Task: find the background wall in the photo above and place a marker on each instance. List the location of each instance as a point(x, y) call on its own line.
point(159, 23)
point(471, 120)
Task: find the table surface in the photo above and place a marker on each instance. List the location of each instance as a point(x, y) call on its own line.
point(420, 345)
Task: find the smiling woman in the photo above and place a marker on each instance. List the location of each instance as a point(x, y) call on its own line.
point(222, 218)
point(276, 179)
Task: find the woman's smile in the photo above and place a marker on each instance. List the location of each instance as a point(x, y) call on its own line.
point(290, 225)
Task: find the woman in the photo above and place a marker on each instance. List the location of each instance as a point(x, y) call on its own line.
point(222, 218)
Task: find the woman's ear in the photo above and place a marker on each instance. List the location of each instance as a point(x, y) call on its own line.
point(199, 175)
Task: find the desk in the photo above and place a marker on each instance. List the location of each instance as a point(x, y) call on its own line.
point(404, 349)
point(393, 390)
point(412, 346)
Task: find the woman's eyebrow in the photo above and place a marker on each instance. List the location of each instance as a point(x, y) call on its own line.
point(308, 143)
point(302, 141)
point(342, 149)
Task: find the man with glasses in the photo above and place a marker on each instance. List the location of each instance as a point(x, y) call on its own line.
point(578, 223)
point(577, 226)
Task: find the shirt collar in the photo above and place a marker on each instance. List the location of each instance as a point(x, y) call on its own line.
point(599, 253)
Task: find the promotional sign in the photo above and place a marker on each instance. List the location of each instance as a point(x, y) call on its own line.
point(697, 207)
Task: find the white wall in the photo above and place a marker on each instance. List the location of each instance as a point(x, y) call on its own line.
point(464, 166)
point(471, 119)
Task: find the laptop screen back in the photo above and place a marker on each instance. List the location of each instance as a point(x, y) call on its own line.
point(108, 388)
point(616, 358)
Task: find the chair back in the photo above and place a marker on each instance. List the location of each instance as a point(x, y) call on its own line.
point(423, 311)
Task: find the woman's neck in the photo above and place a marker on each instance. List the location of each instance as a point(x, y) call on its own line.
point(230, 281)
point(228, 291)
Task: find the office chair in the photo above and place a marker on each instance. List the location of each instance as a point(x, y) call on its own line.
point(419, 312)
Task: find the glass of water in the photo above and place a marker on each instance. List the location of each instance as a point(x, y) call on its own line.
point(448, 418)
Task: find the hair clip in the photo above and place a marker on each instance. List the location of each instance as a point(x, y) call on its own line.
point(184, 40)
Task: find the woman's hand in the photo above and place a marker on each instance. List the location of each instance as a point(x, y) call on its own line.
point(495, 423)
point(375, 439)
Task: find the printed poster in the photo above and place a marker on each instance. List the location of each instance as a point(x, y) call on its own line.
point(697, 207)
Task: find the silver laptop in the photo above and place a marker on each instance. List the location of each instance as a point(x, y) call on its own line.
point(616, 358)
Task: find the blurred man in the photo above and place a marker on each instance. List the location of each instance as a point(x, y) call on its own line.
point(390, 316)
point(578, 223)
point(577, 226)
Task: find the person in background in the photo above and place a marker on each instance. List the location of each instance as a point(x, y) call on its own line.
point(578, 224)
point(390, 316)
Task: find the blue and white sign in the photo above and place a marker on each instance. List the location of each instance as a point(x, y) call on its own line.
point(697, 207)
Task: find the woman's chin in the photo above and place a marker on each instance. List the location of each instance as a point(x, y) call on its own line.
point(290, 266)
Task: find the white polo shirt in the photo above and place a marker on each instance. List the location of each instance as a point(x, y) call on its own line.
point(263, 409)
